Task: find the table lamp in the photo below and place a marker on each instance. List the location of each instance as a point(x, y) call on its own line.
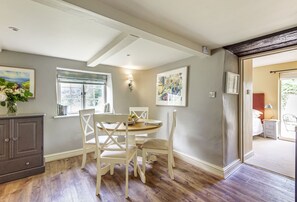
point(269, 106)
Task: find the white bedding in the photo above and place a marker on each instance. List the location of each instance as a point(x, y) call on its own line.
point(257, 126)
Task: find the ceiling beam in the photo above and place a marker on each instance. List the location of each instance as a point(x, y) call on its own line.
point(278, 40)
point(106, 15)
point(120, 42)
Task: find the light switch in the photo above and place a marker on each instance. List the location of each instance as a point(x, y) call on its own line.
point(212, 94)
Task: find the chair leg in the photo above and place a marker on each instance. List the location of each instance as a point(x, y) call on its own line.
point(135, 164)
point(84, 158)
point(111, 168)
point(173, 162)
point(98, 183)
point(170, 169)
point(127, 177)
point(96, 153)
point(143, 162)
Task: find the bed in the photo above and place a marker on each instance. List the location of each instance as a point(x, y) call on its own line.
point(258, 113)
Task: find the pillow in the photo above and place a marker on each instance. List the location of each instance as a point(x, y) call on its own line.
point(256, 113)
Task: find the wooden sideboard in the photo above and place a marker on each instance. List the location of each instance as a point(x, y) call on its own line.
point(21, 146)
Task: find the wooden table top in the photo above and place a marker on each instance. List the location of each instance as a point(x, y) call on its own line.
point(138, 126)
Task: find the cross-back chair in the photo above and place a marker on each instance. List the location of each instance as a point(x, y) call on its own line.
point(140, 113)
point(161, 146)
point(88, 139)
point(111, 151)
point(290, 121)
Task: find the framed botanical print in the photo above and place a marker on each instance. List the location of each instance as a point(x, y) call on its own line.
point(171, 87)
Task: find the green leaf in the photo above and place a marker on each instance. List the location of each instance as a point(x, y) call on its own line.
point(10, 84)
point(2, 81)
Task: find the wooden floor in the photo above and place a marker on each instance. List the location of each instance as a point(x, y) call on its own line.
point(64, 181)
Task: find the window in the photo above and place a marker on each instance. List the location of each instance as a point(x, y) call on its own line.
point(78, 90)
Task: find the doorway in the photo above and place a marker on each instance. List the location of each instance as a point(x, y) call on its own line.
point(271, 152)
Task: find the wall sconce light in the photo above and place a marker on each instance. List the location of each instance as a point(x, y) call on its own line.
point(130, 84)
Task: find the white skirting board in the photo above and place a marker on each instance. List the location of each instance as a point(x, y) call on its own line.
point(249, 155)
point(231, 168)
point(216, 170)
point(64, 155)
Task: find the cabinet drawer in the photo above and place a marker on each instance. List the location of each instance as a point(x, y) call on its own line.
point(269, 126)
point(23, 163)
point(269, 132)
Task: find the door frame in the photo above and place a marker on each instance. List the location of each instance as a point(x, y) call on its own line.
point(241, 94)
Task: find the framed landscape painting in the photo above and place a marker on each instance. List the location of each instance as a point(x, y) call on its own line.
point(24, 77)
point(171, 87)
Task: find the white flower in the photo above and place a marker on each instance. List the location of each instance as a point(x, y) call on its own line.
point(8, 90)
point(16, 92)
point(2, 96)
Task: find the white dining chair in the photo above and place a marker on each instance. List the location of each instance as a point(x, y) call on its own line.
point(161, 146)
point(140, 113)
point(112, 151)
point(88, 138)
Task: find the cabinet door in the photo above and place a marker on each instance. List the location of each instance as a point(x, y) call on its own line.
point(4, 139)
point(27, 136)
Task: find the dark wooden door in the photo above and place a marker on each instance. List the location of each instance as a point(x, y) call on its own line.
point(27, 136)
point(4, 139)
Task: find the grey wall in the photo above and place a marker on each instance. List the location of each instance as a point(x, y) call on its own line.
point(231, 114)
point(206, 128)
point(63, 134)
point(199, 125)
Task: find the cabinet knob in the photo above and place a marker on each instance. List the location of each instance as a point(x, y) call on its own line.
point(27, 163)
point(14, 138)
point(6, 140)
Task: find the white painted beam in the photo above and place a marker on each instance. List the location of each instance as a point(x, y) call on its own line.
point(106, 15)
point(113, 47)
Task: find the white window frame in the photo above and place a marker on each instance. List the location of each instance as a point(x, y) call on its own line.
point(107, 91)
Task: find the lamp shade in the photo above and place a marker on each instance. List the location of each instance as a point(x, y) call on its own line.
point(268, 106)
point(130, 77)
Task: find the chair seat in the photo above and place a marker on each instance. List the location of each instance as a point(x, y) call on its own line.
point(91, 141)
point(118, 154)
point(155, 143)
point(140, 141)
point(141, 135)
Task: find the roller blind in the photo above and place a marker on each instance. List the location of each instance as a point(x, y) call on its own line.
point(291, 75)
point(67, 76)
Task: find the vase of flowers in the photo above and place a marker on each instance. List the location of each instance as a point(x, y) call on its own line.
point(12, 107)
point(11, 93)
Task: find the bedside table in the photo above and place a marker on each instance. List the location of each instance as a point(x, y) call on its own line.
point(271, 128)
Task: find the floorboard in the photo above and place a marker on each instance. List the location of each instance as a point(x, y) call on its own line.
point(64, 181)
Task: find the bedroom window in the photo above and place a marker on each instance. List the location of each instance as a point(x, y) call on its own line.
point(78, 90)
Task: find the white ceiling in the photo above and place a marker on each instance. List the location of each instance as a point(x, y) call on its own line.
point(214, 23)
point(278, 58)
point(46, 30)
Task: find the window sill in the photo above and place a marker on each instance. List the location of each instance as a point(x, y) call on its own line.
point(75, 115)
point(65, 116)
